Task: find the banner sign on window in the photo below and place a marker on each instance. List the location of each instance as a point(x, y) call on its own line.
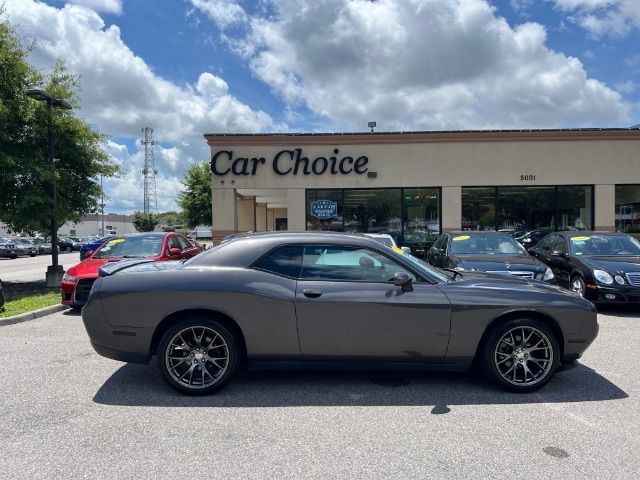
point(324, 209)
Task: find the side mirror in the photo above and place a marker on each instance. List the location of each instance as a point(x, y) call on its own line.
point(531, 251)
point(403, 280)
point(406, 249)
point(174, 251)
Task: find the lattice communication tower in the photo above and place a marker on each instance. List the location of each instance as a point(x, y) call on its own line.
point(149, 171)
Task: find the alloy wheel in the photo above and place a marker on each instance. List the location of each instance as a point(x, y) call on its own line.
point(197, 357)
point(523, 356)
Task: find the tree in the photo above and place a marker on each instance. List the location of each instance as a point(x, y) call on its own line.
point(173, 219)
point(195, 199)
point(25, 183)
point(145, 222)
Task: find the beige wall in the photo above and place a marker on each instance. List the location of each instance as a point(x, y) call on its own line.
point(597, 161)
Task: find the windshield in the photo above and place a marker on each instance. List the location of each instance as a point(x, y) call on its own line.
point(427, 269)
point(131, 247)
point(605, 245)
point(486, 244)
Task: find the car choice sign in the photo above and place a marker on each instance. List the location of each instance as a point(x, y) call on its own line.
point(324, 209)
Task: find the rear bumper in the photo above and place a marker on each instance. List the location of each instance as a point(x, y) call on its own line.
point(121, 356)
point(125, 344)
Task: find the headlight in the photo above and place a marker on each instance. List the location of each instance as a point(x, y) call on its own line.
point(548, 275)
point(619, 279)
point(69, 278)
point(603, 277)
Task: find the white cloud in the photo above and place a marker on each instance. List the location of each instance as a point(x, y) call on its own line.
point(422, 64)
point(628, 86)
point(108, 6)
point(603, 17)
point(121, 93)
point(223, 12)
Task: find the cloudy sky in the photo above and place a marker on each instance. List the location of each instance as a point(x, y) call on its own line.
point(189, 67)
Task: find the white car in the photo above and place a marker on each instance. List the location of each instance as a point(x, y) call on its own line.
point(388, 240)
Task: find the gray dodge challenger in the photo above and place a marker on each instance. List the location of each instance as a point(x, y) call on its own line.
point(330, 298)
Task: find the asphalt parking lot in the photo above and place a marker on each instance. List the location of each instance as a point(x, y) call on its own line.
point(67, 412)
point(33, 269)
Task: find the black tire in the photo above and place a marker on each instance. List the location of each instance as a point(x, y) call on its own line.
point(32, 254)
point(198, 323)
point(493, 346)
point(68, 249)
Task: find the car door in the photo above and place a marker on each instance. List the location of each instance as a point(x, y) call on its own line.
point(348, 307)
point(560, 262)
point(188, 250)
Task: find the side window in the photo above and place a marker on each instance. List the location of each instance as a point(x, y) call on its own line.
point(348, 264)
point(172, 242)
point(545, 243)
point(441, 242)
point(283, 261)
point(559, 244)
point(184, 244)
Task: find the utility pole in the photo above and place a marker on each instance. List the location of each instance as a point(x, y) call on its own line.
point(149, 172)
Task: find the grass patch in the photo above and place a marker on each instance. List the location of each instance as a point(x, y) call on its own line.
point(22, 302)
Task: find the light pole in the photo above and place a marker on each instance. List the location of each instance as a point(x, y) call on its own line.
point(54, 271)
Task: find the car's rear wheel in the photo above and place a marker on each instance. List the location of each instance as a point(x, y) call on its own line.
point(68, 249)
point(198, 355)
point(520, 355)
point(578, 286)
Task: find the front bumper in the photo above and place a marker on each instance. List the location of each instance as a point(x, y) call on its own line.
point(614, 294)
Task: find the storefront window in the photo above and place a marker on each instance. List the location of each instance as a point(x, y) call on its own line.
point(478, 208)
point(528, 208)
point(521, 209)
point(628, 208)
point(372, 211)
point(574, 207)
point(421, 209)
point(319, 216)
point(408, 215)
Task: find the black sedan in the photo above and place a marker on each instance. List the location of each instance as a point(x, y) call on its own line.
point(330, 298)
point(70, 244)
point(602, 267)
point(491, 252)
point(530, 238)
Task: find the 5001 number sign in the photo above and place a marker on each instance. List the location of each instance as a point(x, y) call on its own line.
point(524, 178)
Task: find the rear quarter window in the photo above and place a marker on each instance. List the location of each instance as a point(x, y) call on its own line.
point(284, 261)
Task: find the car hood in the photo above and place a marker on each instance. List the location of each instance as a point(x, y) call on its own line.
point(497, 262)
point(613, 263)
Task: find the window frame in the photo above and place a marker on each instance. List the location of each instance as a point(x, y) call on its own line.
point(420, 277)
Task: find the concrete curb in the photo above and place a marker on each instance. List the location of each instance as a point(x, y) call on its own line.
point(24, 317)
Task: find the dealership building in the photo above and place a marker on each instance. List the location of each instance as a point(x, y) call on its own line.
point(424, 183)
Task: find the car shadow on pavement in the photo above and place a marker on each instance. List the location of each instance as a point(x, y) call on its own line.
point(142, 385)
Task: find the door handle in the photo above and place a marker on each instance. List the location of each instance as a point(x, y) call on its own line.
point(311, 293)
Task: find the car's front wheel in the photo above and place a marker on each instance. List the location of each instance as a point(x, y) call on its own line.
point(520, 355)
point(198, 356)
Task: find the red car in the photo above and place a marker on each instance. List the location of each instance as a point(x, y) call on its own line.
point(157, 246)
